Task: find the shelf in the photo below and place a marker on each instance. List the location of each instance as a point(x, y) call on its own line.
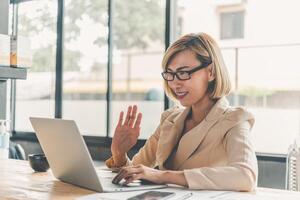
point(7, 72)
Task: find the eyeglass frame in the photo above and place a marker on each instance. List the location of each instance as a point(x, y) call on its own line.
point(202, 66)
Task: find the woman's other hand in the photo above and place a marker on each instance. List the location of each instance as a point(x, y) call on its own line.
point(141, 172)
point(138, 172)
point(126, 134)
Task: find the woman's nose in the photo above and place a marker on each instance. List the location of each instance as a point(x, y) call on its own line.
point(175, 82)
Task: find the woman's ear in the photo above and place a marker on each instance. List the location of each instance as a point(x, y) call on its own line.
point(211, 73)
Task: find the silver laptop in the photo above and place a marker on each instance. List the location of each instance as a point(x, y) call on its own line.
point(70, 160)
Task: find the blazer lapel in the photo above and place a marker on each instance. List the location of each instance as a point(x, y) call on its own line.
point(171, 130)
point(191, 140)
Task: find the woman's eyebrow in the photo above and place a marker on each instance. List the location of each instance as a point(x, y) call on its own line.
point(178, 69)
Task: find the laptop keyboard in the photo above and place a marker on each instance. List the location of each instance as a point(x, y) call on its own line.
point(105, 174)
point(106, 178)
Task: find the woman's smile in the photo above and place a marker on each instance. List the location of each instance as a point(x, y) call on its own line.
point(181, 94)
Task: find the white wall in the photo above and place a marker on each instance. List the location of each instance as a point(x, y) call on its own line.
point(266, 21)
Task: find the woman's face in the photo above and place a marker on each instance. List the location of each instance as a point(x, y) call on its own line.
point(192, 91)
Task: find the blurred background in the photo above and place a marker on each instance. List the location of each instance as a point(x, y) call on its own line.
point(259, 40)
point(111, 58)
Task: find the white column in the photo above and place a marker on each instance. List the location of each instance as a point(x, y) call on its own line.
point(4, 14)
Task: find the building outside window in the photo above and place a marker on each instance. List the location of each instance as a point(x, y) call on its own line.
point(232, 25)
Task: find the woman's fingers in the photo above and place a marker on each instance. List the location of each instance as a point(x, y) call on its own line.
point(120, 175)
point(132, 116)
point(126, 173)
point(128, 115)
point(138, 121)
point(132, 119)
point(132, 178)
point(120, 118)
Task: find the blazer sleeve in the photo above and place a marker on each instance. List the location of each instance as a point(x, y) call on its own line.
point(147, 154)
point(240, 174)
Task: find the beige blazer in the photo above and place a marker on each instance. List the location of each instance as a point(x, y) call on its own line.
point(216, 154)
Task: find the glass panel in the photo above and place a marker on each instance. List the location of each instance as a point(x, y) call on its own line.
point(85, 65)
point(35, 96)
point(232, 25)
point(266, 59)
point(274, 96)
point(138, 49)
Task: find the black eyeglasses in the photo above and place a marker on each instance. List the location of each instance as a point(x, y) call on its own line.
point(183, 74)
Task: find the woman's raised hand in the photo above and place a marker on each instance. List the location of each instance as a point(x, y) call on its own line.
point(126, 134)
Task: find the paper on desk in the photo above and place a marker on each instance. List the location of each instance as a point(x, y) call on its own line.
point(123, 196)
point(180, 195)
point(260, 194)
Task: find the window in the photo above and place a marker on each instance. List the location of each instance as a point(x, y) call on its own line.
point(264, 65)
point(138, 44)
point(85, 65)
point(35, 96)
point(232, 25)
point(137, 50)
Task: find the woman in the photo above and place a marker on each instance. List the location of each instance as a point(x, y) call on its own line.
point(207, 144)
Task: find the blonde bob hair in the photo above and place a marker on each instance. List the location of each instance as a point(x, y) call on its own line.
point(206, 49)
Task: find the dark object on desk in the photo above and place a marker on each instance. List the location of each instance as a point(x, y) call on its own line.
point(38, 162)
point(152, 195)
